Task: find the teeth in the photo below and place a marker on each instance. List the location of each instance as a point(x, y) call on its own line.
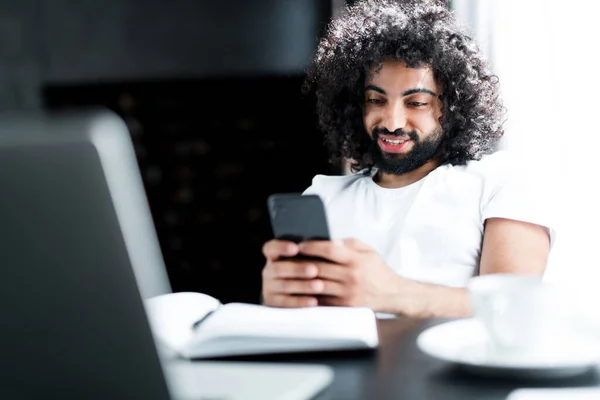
point(395, 142)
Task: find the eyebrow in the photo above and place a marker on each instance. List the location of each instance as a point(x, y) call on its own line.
point(407, 92)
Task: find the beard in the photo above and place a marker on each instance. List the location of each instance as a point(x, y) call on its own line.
point(398, 164)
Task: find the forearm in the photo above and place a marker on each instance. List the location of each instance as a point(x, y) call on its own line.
point(425, 300)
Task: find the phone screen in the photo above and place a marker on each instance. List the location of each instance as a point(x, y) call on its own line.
point(298, 217)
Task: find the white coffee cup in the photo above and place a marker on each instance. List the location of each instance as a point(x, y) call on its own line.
point(524, 317)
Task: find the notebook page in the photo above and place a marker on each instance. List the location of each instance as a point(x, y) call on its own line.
point(345, 323)
point(172, 315)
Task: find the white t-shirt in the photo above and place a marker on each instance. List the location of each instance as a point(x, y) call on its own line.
point(432, 230)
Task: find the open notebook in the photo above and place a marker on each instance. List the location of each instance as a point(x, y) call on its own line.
point(195, 325)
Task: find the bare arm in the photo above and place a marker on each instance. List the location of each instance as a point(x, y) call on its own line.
point(508, 247)
point(355, 274)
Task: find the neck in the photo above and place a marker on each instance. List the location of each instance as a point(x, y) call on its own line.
point(393, 181)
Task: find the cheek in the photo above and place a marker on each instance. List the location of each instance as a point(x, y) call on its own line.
point(427, 121)
point(369, 120)
point(436, 114)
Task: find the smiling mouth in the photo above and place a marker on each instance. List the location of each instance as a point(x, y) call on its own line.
point(393, 145)
point(394, 141)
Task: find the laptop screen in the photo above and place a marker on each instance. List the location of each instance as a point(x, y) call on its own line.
point(73, 317)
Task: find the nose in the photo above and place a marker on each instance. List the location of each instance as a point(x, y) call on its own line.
point(395, 117)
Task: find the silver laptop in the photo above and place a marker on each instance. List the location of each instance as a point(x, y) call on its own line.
point(78, 254)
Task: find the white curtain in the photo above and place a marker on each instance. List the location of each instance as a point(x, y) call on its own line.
point(546, 54)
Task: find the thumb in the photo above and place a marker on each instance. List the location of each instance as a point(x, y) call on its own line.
point(357, 244)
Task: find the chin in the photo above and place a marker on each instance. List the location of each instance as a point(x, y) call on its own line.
point(394, 156)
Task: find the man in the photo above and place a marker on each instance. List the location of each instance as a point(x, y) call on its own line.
point(404, 95)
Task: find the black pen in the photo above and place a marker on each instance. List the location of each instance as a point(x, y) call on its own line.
point(201, 320)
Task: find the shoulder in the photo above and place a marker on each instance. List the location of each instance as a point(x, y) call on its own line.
point(498, 165)
point(503, 170)
point(477, 179)
point(515, 190)
point(329, 186)
point(487, 175)
point(498, 172)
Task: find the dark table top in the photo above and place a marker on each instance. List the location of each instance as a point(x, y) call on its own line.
point(400, 370)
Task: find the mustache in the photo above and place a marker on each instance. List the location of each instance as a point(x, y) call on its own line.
point(398, 132)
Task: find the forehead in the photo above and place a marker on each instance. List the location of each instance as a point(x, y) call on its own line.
point(395, 75)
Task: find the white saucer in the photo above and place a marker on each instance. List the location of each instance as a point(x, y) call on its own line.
point(466, 343)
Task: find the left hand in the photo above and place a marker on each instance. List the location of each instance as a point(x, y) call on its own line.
point(354, 275)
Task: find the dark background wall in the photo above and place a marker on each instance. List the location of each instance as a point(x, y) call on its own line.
point(62, 41)
point(211, 93)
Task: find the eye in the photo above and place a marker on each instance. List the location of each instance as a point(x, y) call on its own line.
point(375, 101)
point(417, 104)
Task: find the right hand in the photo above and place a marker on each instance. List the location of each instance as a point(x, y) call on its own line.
point(288, 283)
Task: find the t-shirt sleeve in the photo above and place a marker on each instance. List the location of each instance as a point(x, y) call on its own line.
point(514, 192)
point(317, 187)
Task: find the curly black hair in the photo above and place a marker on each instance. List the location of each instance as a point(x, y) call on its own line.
point(420, 33)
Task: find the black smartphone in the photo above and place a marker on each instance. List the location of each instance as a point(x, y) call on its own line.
point(298, 217)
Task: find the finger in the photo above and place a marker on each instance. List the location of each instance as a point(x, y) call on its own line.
point(333, 288)
point(330, 250)
point(308, 270)
point(288, 301)
point(275, 249)
point(290, 269)
point(333, 272)
point(306, 287)
point(333, 301)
